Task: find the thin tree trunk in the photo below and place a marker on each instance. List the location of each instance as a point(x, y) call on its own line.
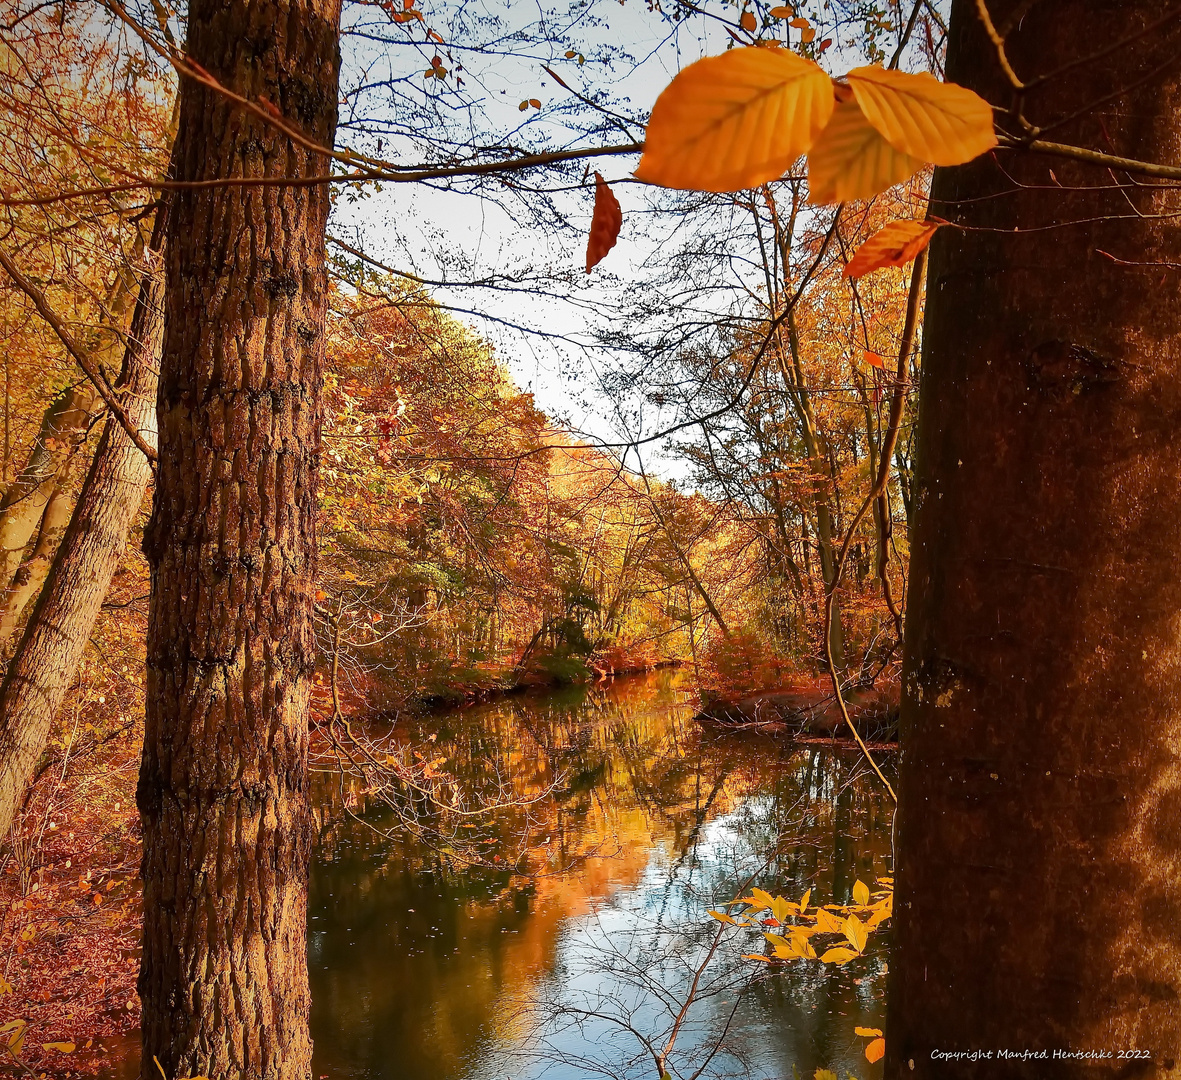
point(46, 661)
point(1039, 845)
point(63, 429)
point(34, 570)
point(232, 543)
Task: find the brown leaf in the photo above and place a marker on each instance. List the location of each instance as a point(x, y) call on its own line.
point(749, 22)
point(894, 245)
point(605, 224)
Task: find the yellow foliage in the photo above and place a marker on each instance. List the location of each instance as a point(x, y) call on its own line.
point(743, 118)
point(851, 159)
point(735, 121)
point(938, 122)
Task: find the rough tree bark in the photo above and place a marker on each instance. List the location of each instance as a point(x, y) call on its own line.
point(1039, 844)
point(46, 661)
point(232, 543)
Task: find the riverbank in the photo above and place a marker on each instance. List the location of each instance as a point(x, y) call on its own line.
point(808, 709)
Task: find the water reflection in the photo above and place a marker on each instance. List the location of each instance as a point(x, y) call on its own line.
point(581, 964)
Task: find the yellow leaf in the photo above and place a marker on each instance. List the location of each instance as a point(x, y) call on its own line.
point(851, 160)
point(875, 1050)
point(825, 1074)
point(756, 956)
point(722, 917)
point(760, 900)
point(923, 117)
point(804, 901)
point(893, 245)
point(827, 922)
point(838, 956)
point(867, 1033)
point(734, 121)
point(856, 933)
point(60, 1047)
point(782, 908)
point(749, 22)
point(860, 893)
point(781, 13)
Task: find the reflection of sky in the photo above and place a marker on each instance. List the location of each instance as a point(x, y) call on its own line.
point(623, 972)
point(418, 974)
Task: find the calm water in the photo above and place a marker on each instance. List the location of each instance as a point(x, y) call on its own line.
point(570, 949)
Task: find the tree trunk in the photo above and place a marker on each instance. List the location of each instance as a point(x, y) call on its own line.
point(33, 571)
point(232, 544)
point(63, 430)
point(1039, 852)
point(46, 661)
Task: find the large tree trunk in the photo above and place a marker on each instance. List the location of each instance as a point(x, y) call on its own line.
point(232, 543)
point(46, 661)
point(1039, 854)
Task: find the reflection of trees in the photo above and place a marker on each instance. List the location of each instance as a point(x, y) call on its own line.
point(599, 922)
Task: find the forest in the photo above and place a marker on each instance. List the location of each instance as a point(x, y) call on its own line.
point(590, 538)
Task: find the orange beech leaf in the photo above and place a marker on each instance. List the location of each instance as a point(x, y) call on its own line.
point(781, 13)
point(605, 224)
point(851, 160)
point(735, 121)
point(867, 1033)
point(875, 1050)
point(873, 360)
point(894, 245)
point(935, 121)
point(749, 22)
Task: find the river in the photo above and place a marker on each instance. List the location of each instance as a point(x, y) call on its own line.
point(570, 948)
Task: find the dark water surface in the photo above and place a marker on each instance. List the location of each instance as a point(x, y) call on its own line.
point(574, 959)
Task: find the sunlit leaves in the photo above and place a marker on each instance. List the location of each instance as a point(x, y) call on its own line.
point(918, 115)
point(793, 940)
point(851, 159)
point(606, 222)
point(872, 359)
point(734, 121)
point(827, 922)
point(60, 1047)
point(854, 930)
point(893, 245)
point(743, 118)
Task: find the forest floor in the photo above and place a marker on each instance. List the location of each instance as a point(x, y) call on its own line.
point(71, 912)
